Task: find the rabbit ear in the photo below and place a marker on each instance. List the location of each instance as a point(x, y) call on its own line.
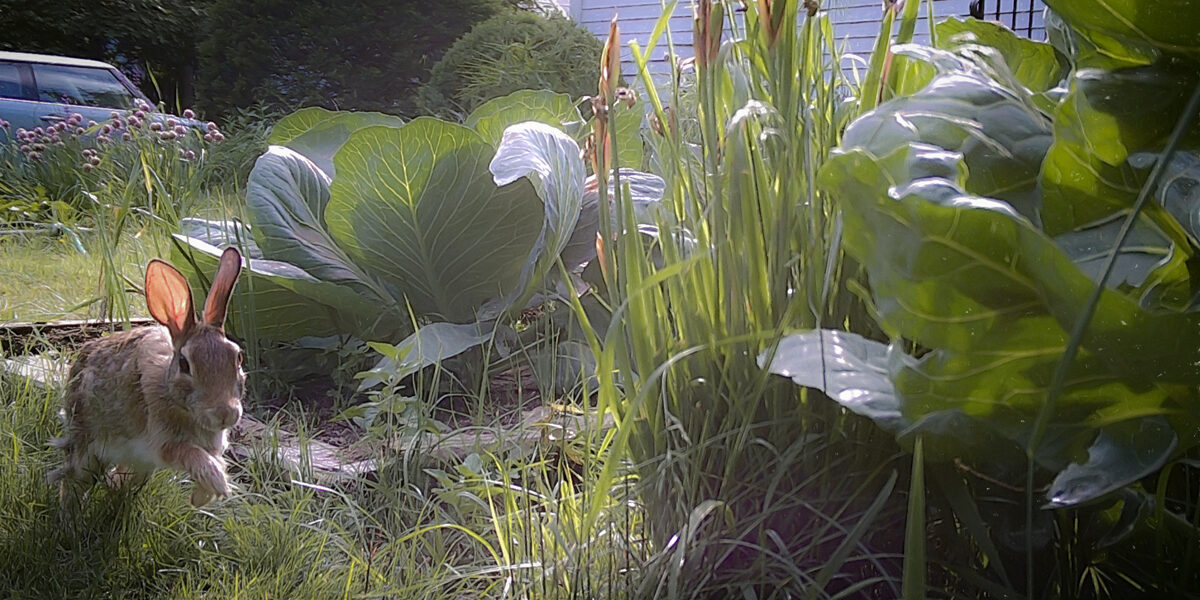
point(169, 298)
point(218, 297)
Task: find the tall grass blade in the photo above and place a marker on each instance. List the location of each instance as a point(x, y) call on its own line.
point(914, 530)
point(839, 556)
point(908, 22)
point(955, 491)
point(871, 91)
point(660, 26)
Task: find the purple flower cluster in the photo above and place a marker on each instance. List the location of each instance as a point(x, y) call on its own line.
point(91, 159)
point(33, 144)
point(139, 123)
point(212, 134)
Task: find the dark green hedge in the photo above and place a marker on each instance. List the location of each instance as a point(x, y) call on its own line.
point(508, 52)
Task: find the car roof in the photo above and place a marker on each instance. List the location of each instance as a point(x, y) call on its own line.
point(53, 59)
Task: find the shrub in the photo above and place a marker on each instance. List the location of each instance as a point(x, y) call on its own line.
point(509, 52)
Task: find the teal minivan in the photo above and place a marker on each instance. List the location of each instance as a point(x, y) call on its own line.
point(39, 90)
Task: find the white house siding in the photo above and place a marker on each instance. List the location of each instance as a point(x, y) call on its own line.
point(636, 19)
point(855, 21)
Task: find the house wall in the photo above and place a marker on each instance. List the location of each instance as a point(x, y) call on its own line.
point(856, 21)
point(636, 19)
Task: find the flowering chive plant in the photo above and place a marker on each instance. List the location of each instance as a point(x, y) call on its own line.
point(152, 162)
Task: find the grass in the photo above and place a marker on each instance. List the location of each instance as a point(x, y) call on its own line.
point(753, 487)
point(146, 543)
point(491, 526)
point(47, 278)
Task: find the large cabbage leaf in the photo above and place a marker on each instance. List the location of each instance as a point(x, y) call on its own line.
point(549, 159)
point(1037, 66)
point(279, 301)
point(1134, 31)
point(304, 283)
point(645, 194)
point(491, 118)
point(319, 133)
point(416, 205)
point(286, 196)
point(859, 374)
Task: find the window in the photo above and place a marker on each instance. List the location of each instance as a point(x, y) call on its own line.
point(10, 81)
point(81, 86)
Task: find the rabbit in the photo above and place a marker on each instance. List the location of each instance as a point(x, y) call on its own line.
point(158, 396)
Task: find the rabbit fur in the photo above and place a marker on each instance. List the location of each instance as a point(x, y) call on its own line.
point(156, 397)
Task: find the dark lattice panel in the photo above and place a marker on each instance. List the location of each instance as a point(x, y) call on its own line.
point(1022, 16)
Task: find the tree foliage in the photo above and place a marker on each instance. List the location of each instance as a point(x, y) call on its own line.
point(152, 41)
point(364, 55)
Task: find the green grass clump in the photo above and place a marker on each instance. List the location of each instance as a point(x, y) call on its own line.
point(751, 486)
point(45, 278)
point(505, 524)
point(48, 278)
point(148, 542)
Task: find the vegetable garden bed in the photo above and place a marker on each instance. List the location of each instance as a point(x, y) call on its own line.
point(336, 450)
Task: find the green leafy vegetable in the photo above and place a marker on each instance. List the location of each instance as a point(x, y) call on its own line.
point(362, 222)
point(984, 217)
point(494, 116)
point(417, 206)
point(550, 160)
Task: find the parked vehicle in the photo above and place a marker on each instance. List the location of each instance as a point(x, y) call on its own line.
point(39, 90)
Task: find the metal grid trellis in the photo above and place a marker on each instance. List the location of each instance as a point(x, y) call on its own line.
point(1022, 16)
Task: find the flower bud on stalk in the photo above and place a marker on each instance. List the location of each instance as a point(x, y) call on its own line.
point(708, 20)
point(610, 73)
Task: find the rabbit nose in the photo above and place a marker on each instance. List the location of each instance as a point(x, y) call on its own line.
point(228, 415)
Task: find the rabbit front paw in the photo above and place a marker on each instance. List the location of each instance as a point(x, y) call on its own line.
point(201, 496)
point(205, 469)
point(210, 477)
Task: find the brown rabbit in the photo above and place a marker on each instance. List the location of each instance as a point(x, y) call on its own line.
point(156, 397)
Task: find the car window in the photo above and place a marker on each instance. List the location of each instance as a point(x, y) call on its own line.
point(10, 81)
point(82, 86)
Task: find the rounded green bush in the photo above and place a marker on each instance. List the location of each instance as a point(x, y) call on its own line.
point(509, 52)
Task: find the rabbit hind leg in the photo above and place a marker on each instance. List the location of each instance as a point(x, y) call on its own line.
point(125, 476)
point(81, 470)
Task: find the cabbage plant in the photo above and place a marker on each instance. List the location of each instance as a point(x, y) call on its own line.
point(1028, 219)
point(361, 224)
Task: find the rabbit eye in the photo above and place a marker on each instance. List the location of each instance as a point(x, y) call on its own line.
point(184, 366)
point(240, 358)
